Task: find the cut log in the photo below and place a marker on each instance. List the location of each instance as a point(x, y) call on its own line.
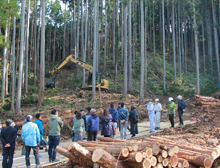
point(135, 157)
point(159, 159)
point(165, 162)
point(144, 155)
point(174, 160)
point(164, 153)
point(184, 162)
point(159, 165)
point(156, 149)
point(106, 160)
point(153, 160)
point(110, 139)
point(72, 157)
point(149, 152)
point(179, 165)
point(164, 147)
point(198, 160)
point(147, 163)
point(171, 151)
point(123, 152)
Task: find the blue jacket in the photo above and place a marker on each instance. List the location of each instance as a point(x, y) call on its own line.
point(125, 111)
point(93, 123)
point(107, 125)
point(181, 105)
point(40, 127)
point(114, 114)
point(30, 134)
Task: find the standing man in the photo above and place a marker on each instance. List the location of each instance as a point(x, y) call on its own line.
point(171, 109)
point(39, 123)
point(114, 114)
point(84, 119)
point(150, 109)
point(157, 110)
point(123, 120)
point(55, 125)
point(87, 127)
point(8, 137)
point(181, 109)
point(31, 136)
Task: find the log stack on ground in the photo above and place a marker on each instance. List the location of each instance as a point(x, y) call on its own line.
point(151, 152)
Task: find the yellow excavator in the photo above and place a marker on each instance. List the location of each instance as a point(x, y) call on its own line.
point(102, 83)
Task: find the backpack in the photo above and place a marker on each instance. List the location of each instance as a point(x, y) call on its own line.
point(136, 119)
point(122, 114)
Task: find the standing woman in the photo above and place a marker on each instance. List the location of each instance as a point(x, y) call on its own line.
point(133, 118)
point(106, 121)
point(78, 124)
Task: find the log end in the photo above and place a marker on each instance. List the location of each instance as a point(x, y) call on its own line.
point(174, 160)
point(97, 154)
point(138, 157)
point(208, 162)
point(125, 152)
point(146, 163)
point(149, 153)
point(153, 161)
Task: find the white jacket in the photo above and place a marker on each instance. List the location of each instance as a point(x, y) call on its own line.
point(157, 107)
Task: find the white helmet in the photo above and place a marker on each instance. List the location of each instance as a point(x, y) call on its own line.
point(170, 99)
point(156, 100)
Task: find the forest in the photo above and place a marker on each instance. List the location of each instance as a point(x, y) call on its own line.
point(142, 47)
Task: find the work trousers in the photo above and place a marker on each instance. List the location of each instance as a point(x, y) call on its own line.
point(36, 154)
point(151, 118)
point(78, 137)
point(8, 154)
point(171, 118)
point(93, 136)
point(157, 119)
point(53, 143)
point(181, 117)
point(123, 127)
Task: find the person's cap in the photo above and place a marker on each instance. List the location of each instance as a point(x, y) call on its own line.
point(29, 117)
point(81, 110)
point(156, 100)
point(170, 99)
point(179, 97)
point(149, 100)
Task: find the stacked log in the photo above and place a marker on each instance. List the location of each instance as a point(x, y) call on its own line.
point(152, 152)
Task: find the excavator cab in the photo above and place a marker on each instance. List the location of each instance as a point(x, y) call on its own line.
point(98, 78)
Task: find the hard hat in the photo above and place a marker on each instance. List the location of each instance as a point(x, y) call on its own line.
point(149, 100)
point(179, 97)
point(170, 99)
point(156, 100)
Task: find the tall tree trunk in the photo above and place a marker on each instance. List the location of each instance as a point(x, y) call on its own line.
point(203, 46)
point(54, 43)
point(38, 44)
point(164, 60)
point(74, 27)
point(142, 54)
point(35, 41)
point(42, 58)
point(134, 34)
point(216, 40)
point(168, 26)
point(174, 44)
point(122, 33)
point(154, 45)
point(145, 45)
point(13, 67)
point(185, 37)
point(84, 54)
point(196, 49)
point(31, 43)
point(64, 35)
point(106, 33)
point(18, 100)
point(27, 42)
point(114, 25)
point(129, 48)
point(125, 89)
point(95, 51)
point(5, 60)
point(179, 46)
point(77, 42)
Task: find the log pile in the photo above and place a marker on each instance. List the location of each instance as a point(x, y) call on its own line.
point(152, 152)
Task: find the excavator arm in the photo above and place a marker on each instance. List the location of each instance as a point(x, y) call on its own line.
point(73, 59)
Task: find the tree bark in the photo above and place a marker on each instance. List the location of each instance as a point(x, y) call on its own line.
point(174, 47)
point(18, 100)
point(125, 53)
point(42, 59)
point(164, 59)
point(106, 34)
point(35, 41)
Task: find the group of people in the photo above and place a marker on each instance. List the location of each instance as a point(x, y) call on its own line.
point(89, 123)
point(154, 112)
point(32, 133)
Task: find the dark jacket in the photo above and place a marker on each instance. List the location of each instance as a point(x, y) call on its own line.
point(84, 119)
point(114, 114)
point(107, 125)
point(125, 111)
point(93, 123)
point(8, 135)
point(181, 105)
point(134, 127)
